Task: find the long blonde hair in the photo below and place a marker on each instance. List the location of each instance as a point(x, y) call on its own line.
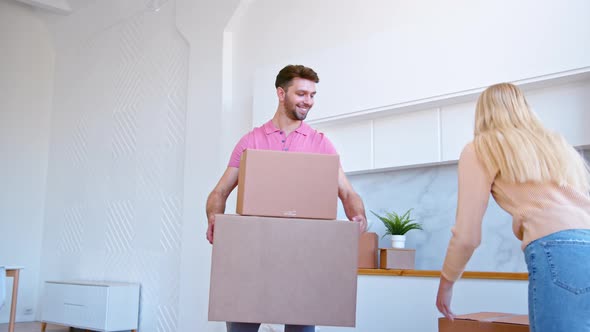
point(510, 140)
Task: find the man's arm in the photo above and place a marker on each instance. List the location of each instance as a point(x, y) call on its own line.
point(351, 201)
point(218, 197)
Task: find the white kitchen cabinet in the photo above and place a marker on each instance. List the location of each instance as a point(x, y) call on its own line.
point(97, 306)
point(565, 109)
point(354, 143)
point(561, 108)
point(438, 132)
point(457, 124)
point(407, 139)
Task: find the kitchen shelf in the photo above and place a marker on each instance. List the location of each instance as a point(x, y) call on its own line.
point(436, 274)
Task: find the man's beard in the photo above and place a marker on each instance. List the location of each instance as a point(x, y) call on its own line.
point(292, 113)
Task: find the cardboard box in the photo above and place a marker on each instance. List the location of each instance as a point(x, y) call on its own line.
point(368, 246)
point(397, 259)
point(485, 322)
point(284, 271)
point(288, 184)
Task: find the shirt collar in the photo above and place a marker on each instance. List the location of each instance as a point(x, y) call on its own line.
point(270, 128)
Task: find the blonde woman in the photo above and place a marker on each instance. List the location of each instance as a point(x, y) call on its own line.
point(537, 177)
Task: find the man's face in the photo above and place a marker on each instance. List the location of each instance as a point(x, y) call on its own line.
point(298, 99)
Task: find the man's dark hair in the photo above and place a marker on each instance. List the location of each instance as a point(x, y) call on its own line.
point(287, 74)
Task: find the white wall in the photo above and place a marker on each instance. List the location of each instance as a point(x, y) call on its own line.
point(202, 23)
point(26, 87)
point(376, 54)
point(116, 167)
point(117, 177)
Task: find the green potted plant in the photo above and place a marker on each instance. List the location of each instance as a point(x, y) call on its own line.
point(397, 226)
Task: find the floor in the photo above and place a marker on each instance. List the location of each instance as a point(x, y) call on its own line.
point(33, 327)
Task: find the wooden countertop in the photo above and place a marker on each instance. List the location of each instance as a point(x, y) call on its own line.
point(436, 274)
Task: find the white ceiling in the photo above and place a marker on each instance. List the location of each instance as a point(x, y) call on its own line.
point(66, 7)
point(55, 6)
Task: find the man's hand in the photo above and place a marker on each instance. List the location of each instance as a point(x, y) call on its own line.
point(351, 202)
point(210, 228)
point(362, 223)
point(218, 197)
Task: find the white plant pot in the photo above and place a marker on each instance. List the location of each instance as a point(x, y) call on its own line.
point(398, 241)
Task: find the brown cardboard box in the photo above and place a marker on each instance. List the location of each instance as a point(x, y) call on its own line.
point(368, 245)
point(284, 271)
point(288, 184)
point(393, 258)
point(485, 322)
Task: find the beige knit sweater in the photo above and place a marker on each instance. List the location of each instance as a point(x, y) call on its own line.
point(537, 210)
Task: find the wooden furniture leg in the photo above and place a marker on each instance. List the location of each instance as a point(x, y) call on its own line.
point(43, 326)
point(14, 274)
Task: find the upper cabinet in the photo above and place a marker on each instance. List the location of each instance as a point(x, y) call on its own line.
point(407, 139)
point(433, 135)
point(456, 128)
point(354, 143)
point(565, 109)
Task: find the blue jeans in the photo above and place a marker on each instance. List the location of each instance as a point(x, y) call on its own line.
point(253, 327)
point(559, 282)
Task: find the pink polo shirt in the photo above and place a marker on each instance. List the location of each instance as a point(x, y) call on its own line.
point(269, 137)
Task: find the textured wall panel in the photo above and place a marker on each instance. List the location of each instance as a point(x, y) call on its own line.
point(171, 225)
point(71, 236)
point(117, 156)
point(120, 230)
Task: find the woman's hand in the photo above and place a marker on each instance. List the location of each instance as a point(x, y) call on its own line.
point(443, 298)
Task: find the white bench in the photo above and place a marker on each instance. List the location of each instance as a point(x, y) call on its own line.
point(91, 305)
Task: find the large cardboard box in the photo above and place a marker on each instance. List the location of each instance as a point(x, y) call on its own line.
point(394, 258)
point(485, 322)
point(288, 184)
point(284, 271)
point(368, 246)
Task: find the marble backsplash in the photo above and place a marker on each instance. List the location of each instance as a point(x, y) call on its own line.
point(432, 194)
